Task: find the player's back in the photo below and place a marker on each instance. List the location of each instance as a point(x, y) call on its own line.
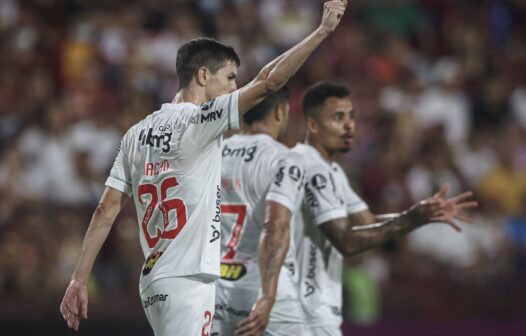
point(256, 168)
point(171, 162)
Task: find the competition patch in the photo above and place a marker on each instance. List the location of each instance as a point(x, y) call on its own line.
point(232, 272)
point(319, 181)
point(150, 262)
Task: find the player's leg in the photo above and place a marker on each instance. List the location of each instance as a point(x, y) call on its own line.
point(232, 306)
point(179, 306)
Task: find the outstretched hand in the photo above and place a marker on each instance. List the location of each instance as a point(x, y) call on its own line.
point(255, 323)
point(74, 305)
point(445, 210)
point(332, 14)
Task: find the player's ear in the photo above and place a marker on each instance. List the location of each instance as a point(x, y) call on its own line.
point(202, 76)
point(280, 112)
point(312, 125)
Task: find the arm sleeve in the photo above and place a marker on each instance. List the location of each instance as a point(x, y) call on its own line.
point(120, 178)
point(321, 197)
point(287, 185)
point(214, 118)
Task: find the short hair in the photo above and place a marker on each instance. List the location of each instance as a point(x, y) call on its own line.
point(316, 95)
point(201, 52)
point(261, 110)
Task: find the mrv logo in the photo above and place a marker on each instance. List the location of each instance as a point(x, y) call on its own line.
point(214, 115)
point(162, 141)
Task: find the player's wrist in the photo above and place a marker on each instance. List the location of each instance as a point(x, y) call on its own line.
point(323, 31)
point(77, 280)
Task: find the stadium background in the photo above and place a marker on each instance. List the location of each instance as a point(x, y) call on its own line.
point(440, 92)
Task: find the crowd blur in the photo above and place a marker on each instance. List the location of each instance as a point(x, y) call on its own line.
point(439, 88)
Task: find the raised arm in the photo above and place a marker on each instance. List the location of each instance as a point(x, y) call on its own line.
point(354, 234)
point(276, 74)
point(273, 247)
point(74, 305)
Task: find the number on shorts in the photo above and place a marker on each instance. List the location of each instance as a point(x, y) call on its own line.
point(240, 210)
point(165, 206)
point(208, 318)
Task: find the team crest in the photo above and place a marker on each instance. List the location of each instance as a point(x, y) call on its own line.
point(206, 106)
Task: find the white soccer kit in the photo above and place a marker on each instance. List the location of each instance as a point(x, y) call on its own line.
point(171, 163)
point(256, 169)
point(328, 196)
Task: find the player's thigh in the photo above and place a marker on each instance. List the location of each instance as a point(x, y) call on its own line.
point(326, 330)
point(179, 306)
point(232, 305)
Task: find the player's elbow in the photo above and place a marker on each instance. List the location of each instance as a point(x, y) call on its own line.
point(106, 212)
point(274, 83)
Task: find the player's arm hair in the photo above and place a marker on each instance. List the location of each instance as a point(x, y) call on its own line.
point(273, 246)
point(109, 206)
point(277, 73)
point(359, 232)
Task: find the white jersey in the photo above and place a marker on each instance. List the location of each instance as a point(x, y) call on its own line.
point(171, 163)
point(256, 169)
point(328, 196)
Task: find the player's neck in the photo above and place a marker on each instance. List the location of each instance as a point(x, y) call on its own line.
point(189, 95)
point(261, 128)
point(328, 155)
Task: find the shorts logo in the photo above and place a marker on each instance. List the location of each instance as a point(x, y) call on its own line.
point(150, 262)
point(151, 300)
point(232, 272)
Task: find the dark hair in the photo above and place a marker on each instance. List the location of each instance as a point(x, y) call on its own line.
point(316, 95)
point(201, 52)
point(261, 110)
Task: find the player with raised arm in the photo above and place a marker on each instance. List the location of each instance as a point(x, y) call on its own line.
point(335, 222)
point(262, 186)
point(170, 163)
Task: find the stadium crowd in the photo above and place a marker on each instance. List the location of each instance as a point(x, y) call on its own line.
point(439, 87)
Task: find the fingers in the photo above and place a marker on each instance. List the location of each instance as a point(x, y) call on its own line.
point(442, 192)
point(84, 309)
point(467, 205)
point(444, 219)
point(461, 197)
point(248, 326)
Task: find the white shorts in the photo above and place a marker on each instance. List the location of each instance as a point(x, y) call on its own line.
point(232, 306)
point(325, 330)
point(179, 306)
point(286, 318)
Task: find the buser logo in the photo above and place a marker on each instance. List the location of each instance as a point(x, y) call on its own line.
point(232, 272)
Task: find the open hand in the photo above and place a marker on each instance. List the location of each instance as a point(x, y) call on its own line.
point(439, 209)
point(75, 304)
point(255, 323)
point(332, 14)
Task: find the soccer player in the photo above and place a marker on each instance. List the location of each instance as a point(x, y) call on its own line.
point(170, 163)
point(261, 186)
point(335, 222)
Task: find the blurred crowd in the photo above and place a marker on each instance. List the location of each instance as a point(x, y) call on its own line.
point(439, 88)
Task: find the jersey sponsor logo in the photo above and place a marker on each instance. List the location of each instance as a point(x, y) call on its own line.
point(151, 300)
point(211, 116)
point(150, 262)
point(295, 173)
point(311, 272)
point(206, 106)
point(162, 141)
point(319, 181)
point(246, 153)
point(232, 272)
point(217, 217)
point(279, 176)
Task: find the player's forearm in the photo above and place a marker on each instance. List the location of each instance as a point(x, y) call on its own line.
point(364, 237)
point(273, 247)
point(96, 235)
point(281, 69)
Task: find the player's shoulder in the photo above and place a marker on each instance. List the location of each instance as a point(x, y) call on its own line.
point(311, 159)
